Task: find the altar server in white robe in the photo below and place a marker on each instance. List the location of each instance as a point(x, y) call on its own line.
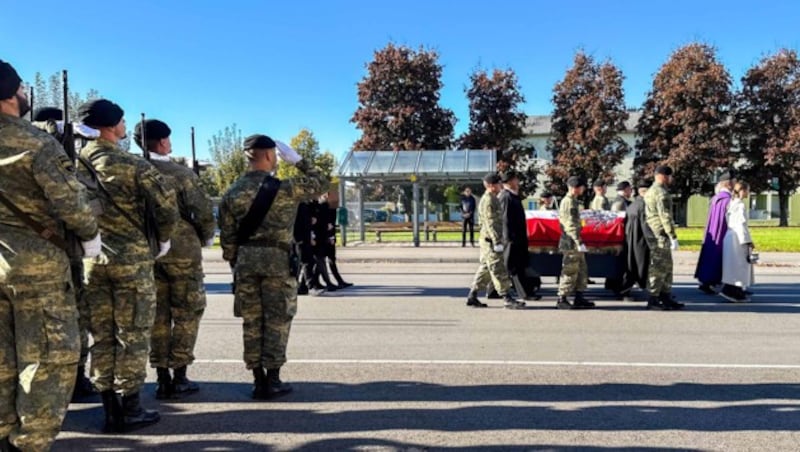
point(737, 268)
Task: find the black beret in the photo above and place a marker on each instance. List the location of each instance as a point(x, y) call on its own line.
point(100, 113)
point(509, 176)
point(623, 185)
point(665, 170)
point(727, 175)
point(546, 194)
point(153, 130)
point(259, 142)
point(599, 183)
point(491, 178)
point(507, 156)
point(48, 114)
point(576, 181)
point(9, 81)
point(644, 183)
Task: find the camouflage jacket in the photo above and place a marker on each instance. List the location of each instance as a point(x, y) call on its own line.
point(658, 210)
point(277, 228)
point(569, 216)
point(600, 202)
point(196, 223)
point(40, 180)
point(491, 218)
point(131, 181)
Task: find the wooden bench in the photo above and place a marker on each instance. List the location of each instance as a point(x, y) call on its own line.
point(441, 226)
point(430, 229)
point(385, 227)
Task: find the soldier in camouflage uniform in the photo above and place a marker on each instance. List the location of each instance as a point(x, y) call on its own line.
point(658, 211)
point(181, 297)
point(39, 340)
point(50, 120)
point(265, 289)
point(492, 266)
point(574, 273)
point(120, 290)
point(599, 202)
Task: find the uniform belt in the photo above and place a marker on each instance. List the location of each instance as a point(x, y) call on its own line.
point(268, 244)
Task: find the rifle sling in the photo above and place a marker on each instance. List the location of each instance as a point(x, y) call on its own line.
point(45, 233)
point(258, 210)
point(88, 165)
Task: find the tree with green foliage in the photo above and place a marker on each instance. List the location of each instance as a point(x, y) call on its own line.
point(587, 121)
point(306, 144)
point(686, 122)
point(767, 126)
point(227, 153)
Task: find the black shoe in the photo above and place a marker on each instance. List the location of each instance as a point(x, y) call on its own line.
point(669, 301)
point(259, 384)
point(582, 303)
point(112, 409)
point(512, 303)
point(83, 387)
point(563, 303)
point(331, 288)
point(493, 295)
point(134, 416)
point(472, 300)
point(591, 281)
point(274, 386)
point(302, 290)
point(733, 294)
point(707, 289)
point(182, 386)
point(344, 285)
point(654, 303)
point(164, 389)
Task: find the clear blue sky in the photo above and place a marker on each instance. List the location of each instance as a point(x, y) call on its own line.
point(276, 67)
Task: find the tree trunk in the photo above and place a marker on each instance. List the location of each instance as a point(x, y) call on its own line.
point(783, 201)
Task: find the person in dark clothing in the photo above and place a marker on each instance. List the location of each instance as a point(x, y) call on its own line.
point(302, 237)
point(319, 244)
point(636, 234)
point(620, 204)
point(328, 213)
point(515, 233)
point(468, 217)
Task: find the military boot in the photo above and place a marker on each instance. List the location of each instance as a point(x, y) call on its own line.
point(473, 301)
point(83, 387)
point(656, 304)
point(164, 389)
point(259, 384)
point(134, 416)
point(670, 302)
point(275, 387)
point(112, 409)
point(563, 303)
point(581, 302)
point(182, 386)
point(512, 303)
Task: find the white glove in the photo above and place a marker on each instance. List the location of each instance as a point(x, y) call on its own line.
point(85, 131)
point(582, 248)
point(674, 245)
point(499, 248)
point(286, 153)
point(210, 242)
point(93, 247)
point(330, 227)
point(163, 248)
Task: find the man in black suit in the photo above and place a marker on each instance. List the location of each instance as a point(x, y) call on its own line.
point(515, 233)
point(468, 217)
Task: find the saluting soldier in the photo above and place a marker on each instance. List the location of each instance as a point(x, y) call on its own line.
point(574, 273)
point(664, 240)
point(180, 294)
point(599, 202)
point(120, 290)
point(39, 339)
point(257, 242)
point(492, 267)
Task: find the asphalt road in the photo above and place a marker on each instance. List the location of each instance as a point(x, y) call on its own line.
point(399, 363)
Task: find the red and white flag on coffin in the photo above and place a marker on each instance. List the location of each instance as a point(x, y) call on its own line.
point(600, 228)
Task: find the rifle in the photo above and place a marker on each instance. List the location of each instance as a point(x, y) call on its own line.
point(74, 248)
point(195, 166)
point(30, 101)
point(150, 224)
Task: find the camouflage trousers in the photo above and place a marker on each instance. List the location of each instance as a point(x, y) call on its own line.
point(492, 269)
point(180, 302)
point(76, 293)
point(660, 272)
point(39, 348)
point(122, 302)
point(574, 273)
point(269, 303)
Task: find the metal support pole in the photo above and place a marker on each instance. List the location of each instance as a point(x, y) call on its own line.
point(425, 210)
point(415, 209)
point(343, 204)
point(361, 231)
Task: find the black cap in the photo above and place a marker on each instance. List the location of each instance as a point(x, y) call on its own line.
point(9, 81)
point(664, 169)
point(491, 178)
point(508, 176)
point(48, 114)
point(727, 175)
point(153, 130)
point(546, 194)
point(644, 183)
point(259, 142)
point(576, 181)
point(100, 113)
point(624, 185)
point(599, 183)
